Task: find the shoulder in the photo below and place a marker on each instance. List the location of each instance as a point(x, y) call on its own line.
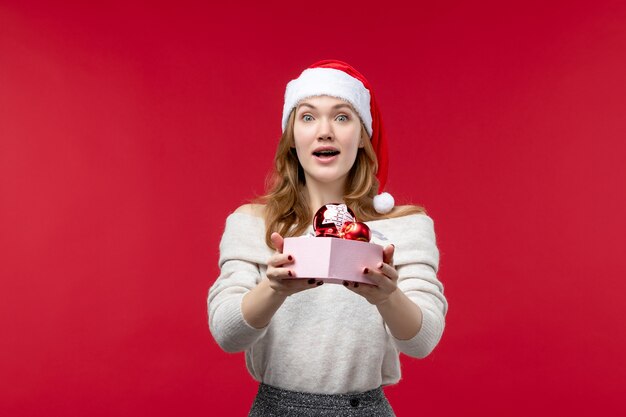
point(245, 215)
point(406, 227)
point(413, 236)
point(244, 236)
point(256, 210)
point(245, 220)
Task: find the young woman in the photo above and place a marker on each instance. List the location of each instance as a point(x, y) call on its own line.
point(328, 349)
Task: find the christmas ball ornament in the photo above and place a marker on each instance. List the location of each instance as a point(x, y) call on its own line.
point(356, 231)
point(330, 219)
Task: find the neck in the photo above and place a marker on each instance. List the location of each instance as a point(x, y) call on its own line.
point(319, 194)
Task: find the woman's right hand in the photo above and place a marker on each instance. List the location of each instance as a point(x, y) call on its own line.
point(278, 271)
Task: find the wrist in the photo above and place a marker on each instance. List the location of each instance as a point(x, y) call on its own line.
point(259, 305)
point(389, 299)
point(276, 295)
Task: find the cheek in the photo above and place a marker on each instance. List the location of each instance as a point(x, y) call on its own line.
point(354, 150)
point(355, 140)
point(301, 148)
point(298, 142)
point(301, 135)
point(352, 159)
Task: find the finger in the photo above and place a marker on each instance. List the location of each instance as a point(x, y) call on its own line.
point(387, 270)
point(388, 252)
point(280, 259)
point(280, 273)
point(379, 279)
point(277, 241)
point(302, 283)
point(292, 286)
point(360, 288)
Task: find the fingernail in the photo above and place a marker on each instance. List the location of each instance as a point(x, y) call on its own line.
point(290, 257)
point(311, 281)
point(345, 283)
point(356, 284)
point(320, 283)
point(394, 246)
point(289, 272)
point(366, 270)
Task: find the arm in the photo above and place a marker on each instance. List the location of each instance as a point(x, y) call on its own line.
point(417, 265)
point(226, 322)
point(418, 284)
point(409, 297)
point(260, 304)
point(402, 316)
point(241, 303)
point(240, 256)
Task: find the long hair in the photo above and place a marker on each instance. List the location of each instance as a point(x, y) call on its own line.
point(286, 209)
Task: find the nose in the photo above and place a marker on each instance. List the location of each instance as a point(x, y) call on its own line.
point(325, 130)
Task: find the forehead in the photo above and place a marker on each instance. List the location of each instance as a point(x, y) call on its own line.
point(323, 102)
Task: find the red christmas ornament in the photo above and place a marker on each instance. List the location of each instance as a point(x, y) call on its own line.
point(330, 219)
point(356, 231)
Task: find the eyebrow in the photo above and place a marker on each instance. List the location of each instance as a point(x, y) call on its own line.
point(334, 107)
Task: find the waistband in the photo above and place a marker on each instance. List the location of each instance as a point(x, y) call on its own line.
point(334, 401)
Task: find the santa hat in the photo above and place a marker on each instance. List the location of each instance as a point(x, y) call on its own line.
point(338, 79)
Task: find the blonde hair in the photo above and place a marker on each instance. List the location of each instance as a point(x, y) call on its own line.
point(286, 209)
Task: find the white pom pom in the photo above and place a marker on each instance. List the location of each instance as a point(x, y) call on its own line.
point(383, 203)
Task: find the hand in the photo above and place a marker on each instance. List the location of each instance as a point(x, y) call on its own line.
point(384, 276)
point(277, 272)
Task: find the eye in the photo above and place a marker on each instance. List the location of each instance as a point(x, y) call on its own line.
point(304, 117)
point(344, 116)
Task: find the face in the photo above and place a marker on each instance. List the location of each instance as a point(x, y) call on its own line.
point(328, 124)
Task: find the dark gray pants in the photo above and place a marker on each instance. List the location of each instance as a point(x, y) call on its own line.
point(273, 401)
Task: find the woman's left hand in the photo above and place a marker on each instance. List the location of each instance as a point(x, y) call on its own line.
point(384, 276)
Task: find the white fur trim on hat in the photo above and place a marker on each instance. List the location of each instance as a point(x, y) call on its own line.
point(332, 82)
point(383, 203)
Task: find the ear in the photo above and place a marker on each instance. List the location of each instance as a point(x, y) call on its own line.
point(363, 137)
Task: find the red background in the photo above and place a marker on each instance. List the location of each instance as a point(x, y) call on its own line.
point(129, 132)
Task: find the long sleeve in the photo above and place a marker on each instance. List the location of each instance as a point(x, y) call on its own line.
point(417, 263)
point(242, 250)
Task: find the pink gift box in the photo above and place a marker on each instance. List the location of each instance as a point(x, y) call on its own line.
point(332, 259)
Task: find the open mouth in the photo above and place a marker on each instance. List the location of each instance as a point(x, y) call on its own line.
point(326, 154)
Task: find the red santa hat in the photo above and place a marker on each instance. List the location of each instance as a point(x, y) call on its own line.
point(338, 79)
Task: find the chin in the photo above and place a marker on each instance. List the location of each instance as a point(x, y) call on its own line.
point(329, 179)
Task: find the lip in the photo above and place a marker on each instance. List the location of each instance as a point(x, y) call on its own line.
point(325, 148)
point(326, 160)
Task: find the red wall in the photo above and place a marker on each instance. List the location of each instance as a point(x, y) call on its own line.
point(129, 133)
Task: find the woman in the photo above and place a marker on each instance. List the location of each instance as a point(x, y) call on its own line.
point(327, 349)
